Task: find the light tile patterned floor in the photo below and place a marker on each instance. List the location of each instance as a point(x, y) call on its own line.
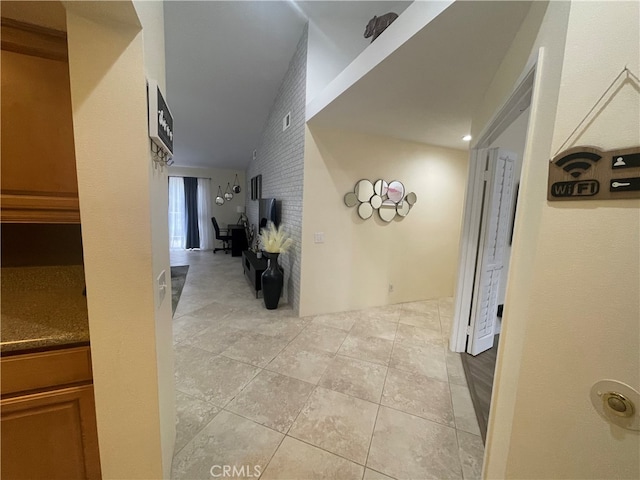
point(371, 394)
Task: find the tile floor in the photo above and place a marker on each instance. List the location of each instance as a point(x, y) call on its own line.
point(371, 394)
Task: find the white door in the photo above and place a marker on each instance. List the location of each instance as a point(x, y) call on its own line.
point(494, 232)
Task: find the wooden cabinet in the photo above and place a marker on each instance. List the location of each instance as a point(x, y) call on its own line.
point(253, 268)
point(48, 422)
point(39, 183)
point(50, 435)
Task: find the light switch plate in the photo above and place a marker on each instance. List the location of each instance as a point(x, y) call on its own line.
point(162, 286)
point(318, 237)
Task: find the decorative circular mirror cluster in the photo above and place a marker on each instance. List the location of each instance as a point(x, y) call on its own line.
point(387, 198)
point(228, 194)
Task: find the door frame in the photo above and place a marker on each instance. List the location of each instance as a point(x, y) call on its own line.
point(519, 101)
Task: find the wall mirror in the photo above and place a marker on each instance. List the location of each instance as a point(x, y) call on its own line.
point(381, 187)
point(365, 210)
point(219, 199)
point(387, 198)
point(403, 208)
point(387, 212)
point(351, 199)
point(395, 191)
point(236, 186)
point(364, 190)
point(228, 195)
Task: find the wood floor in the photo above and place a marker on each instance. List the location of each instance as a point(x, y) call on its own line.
point(479, 372)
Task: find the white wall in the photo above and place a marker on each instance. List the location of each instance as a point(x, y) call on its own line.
point(123, 207)
point(353, 268)
point(326, 60)
point(336, 36)
point(573, 296)
point(227, 213)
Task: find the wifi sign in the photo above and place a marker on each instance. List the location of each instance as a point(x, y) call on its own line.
point(579, 173)
point(577, 163)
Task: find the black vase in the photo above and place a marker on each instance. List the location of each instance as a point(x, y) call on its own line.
point(272, 281)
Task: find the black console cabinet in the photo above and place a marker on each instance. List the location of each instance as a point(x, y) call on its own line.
point(253, 268)
point(238, 240)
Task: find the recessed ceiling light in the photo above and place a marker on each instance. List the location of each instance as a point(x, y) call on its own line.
point(467, 138)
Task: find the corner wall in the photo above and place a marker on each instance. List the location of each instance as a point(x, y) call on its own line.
point(151, 15)
point(124, 230)
point(573, 296)
point(358, 260)
point(280, 161)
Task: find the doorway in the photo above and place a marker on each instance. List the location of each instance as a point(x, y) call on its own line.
point(489, 217)
point(492, 267)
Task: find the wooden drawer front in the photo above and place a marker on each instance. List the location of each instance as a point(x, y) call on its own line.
point(50, 435)
point(36, 371)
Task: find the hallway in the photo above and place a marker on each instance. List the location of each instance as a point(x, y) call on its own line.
point(269, 393)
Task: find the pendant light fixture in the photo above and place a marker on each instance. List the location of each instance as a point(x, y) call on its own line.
point(236, 185)
point(228, 195)
point(219, 199)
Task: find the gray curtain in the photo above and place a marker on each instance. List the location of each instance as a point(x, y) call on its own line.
point(191, 205)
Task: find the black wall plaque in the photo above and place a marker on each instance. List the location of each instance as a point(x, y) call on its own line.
point(160, 118)
point(579, 173)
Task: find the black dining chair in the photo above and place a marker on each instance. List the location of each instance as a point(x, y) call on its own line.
point(222, 235)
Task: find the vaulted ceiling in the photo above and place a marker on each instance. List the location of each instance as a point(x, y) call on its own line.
point(225, 61)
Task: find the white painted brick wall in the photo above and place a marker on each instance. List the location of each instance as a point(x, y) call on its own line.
point(280, 161)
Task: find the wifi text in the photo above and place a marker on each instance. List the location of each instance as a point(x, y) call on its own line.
point(584, 188)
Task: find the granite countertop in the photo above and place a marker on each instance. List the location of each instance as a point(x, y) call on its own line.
point(42, 307)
